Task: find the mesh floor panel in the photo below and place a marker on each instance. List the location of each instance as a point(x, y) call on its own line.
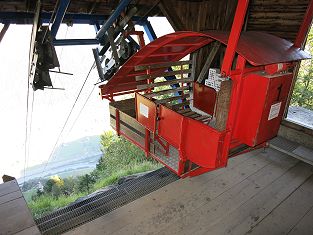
point(102, 203)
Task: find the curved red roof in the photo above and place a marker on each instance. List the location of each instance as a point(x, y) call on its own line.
point(256, 47)
point(260, 48)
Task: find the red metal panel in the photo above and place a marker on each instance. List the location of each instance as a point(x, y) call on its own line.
point(198, 142)
point(202, 144)
point(146, 112)
point(170, 126)
point(276, 68)
point(274, 108)
point(258, 97)
point(253, 97)
point(204, 98)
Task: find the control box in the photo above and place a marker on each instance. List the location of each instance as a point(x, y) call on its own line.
point(261, 107)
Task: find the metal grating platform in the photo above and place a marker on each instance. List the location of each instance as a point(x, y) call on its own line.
point(293, 149)
point(172, 160)
point(89, 209)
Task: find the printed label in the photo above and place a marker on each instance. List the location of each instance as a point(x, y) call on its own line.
point(143, 110)
point(274, 111)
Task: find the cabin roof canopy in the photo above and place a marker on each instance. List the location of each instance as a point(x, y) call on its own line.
point(260, 48)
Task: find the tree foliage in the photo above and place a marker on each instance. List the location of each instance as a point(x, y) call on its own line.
point(120, 158)
point(68, 186)
point(303, 91)
point(106, 139)
point(32, 183)
point(119, 154)
point(85, 183)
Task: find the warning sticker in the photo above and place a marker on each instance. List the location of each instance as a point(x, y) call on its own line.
point(274, 111)
point(143, 110)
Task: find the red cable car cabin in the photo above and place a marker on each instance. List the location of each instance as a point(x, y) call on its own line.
point(192, 128)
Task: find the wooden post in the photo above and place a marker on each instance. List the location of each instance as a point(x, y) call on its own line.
point(222, 105)
point(147, 142)
point(170, 13)
point(208, 61)
point(117, 121)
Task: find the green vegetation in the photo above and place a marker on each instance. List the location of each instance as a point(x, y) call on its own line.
point(120, 158)
point(166, 87)
point(46, 203)
point(303, 91)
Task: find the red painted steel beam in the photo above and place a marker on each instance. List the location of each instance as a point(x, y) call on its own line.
point(305, 26)
point(234, 36)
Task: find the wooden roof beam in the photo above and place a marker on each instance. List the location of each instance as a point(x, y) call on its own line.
point(170, 13)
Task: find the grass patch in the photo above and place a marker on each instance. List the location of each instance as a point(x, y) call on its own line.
point(121, 158)
point(130, 170)
point(46, 204)
point(28, 194)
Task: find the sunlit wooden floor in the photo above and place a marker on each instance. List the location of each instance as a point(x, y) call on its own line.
point(258, 193)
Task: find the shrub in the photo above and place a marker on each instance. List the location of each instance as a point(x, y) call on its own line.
point(303, 91)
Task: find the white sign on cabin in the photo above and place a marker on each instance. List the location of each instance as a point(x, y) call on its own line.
point(144, 110)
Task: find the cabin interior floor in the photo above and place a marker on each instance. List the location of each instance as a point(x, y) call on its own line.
point(261, 192)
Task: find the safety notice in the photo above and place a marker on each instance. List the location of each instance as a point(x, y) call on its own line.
point(143, 110)
point(274, 111)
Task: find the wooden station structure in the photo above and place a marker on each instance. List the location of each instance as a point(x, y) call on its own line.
point(163, 101)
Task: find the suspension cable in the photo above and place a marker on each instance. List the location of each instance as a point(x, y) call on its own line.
point(81, 110)
point(28, 137)
point(67, 119)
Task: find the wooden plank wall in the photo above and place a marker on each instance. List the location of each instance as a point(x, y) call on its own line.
point(279, 17)
point(199, 16)
point(222, 105)
point(104, 7)
point(15, 217)
point(127, 124)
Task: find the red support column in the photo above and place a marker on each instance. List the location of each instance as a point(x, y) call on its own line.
point(305, 26)
point(234, 35)
point(233, 107)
